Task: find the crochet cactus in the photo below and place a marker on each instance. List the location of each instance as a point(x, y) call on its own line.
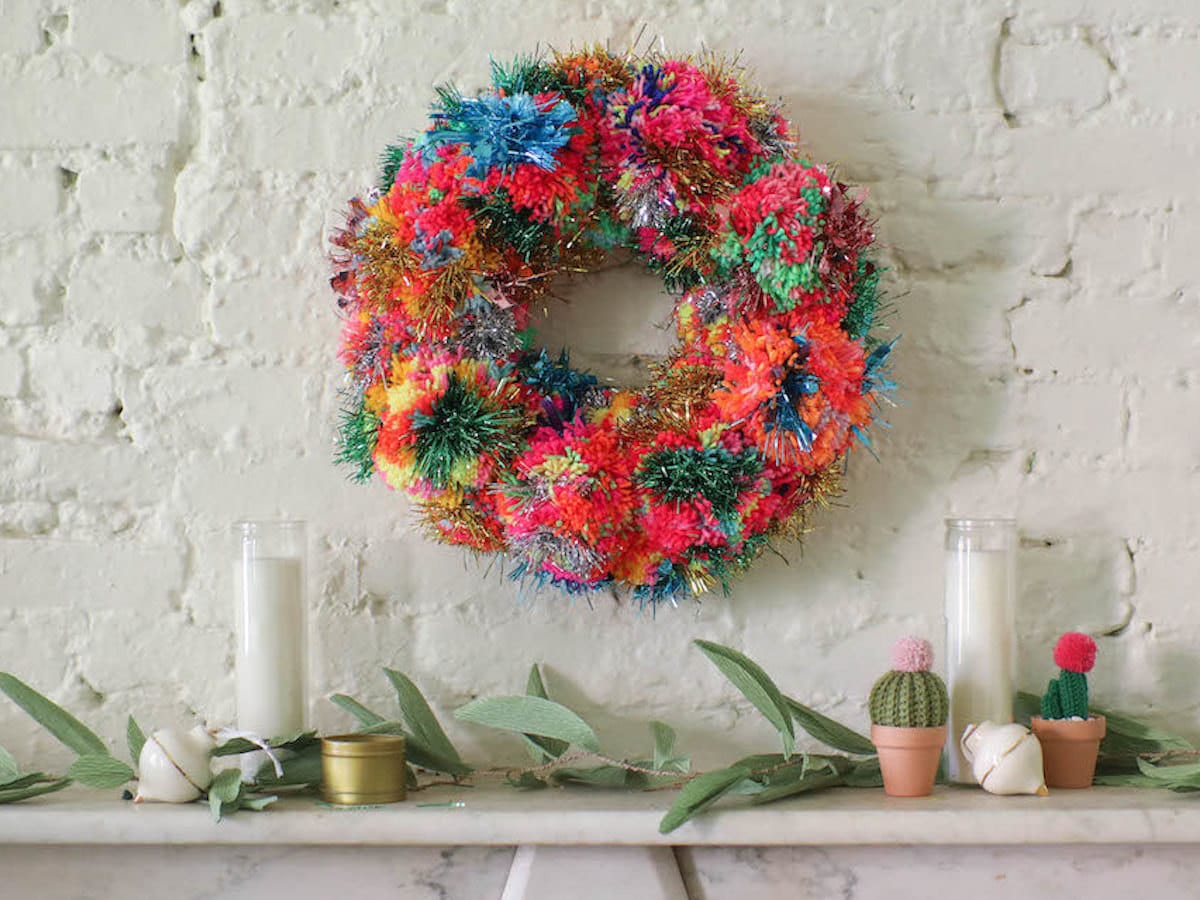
point(1067, 695)
point(910, 696)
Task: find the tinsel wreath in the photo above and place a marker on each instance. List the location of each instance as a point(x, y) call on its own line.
point(667, 491)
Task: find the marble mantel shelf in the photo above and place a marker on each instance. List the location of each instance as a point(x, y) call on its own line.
point(579, 817)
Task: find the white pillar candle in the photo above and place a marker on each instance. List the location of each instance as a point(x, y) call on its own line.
point(980, 640)
point(271, 628)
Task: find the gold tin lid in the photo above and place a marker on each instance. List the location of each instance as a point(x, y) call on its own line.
point(361, 769)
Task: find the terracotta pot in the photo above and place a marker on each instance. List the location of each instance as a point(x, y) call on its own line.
point(1069, 749)
point(908, 758)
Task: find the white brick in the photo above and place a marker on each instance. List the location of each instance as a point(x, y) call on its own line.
point(21, 32)
point(28, 197)
point(73, 379)
point(123, 292)
point(1061, 80)
point(1115, 161)
point(49, 574)
point(311, 138)
point(289, 48)
point(115, 198)
point(142, 32)
point(260, 411)
point(297, 315)
point(29, 292)
point(12, 371)
point(1165, 422)
point(85, 111)
point(1114, 250)
point(1051, 338)
point(1160, 75)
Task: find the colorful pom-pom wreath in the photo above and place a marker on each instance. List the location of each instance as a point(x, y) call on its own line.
point(667, 491)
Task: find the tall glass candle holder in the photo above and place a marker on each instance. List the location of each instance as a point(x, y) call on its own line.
point(980, 628)
point(272, 668)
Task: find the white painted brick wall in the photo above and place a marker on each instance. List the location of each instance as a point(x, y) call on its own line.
point(167, 349)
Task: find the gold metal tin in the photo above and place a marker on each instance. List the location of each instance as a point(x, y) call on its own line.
point(361, 769)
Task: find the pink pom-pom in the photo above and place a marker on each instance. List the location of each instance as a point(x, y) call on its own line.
point(1075, 652)
point(912, 654)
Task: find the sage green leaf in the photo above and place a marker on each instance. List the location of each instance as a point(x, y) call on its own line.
point(699, 794)
point(24, 781)
point(828, 731)
point(295, 741)
point(760, 761)
point(349, 704)
point(226, 785)
point(542, 749)
point(865, 774)
point(8, 766)
point(422, 723)
point(303, 768)
point(1173, 774)
point(599, 777)
point(418, 753)
point(801, 782)
point(1125, 733)
point(225, 792)
point(60, 723)
point(534, 686)
point(258, 804)
point(1127, 780)
point(25, 793)
point(135, 739)
point(99, 770)
point(664, 742)
point(526, 781)
point(530, 715)
point(749, 678)
point(1026, 706)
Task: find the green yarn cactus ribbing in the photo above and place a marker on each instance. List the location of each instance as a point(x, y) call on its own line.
point(910, 696)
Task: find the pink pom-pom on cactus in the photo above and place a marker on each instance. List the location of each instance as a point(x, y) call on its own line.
point(1075, 652)
point(912, 654)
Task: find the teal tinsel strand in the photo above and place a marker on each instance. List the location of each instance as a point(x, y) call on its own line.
point(861, 314)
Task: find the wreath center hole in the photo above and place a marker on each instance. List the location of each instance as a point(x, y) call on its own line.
point(614, 321)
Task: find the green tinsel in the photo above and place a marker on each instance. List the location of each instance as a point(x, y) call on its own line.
point(389, 164)
point(461, 426)
point(510, 226)
point(861, 314)
point(716, 474)
point(529, 75)
point(357, 432)
point(677, 274)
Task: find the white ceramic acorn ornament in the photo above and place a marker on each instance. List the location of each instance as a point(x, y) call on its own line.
point(175, 766)
point(1005, 759)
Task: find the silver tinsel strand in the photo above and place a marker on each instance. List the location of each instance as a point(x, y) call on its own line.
point(565, 552)
point(488, 332)
point(711, 302)
point(766, 133)
point(642, 207)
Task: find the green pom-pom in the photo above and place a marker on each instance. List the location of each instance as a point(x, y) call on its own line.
point(461, 426)
point(357, 432)
point(715, 474)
